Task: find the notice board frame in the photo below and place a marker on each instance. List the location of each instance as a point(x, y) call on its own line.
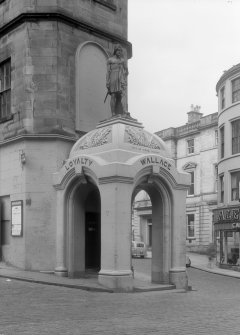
point(17, 218)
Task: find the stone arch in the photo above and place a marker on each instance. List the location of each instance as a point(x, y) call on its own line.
point(74, 201)
point(162, 201)
point(91, 69)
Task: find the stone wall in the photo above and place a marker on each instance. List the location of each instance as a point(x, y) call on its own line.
point(97, 13)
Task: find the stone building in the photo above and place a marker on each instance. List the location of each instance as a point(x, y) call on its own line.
point(227, 214)
point(52, 67)
point(193, 147)
point(69, 170)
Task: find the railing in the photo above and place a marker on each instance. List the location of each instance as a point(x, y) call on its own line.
point(205, 121)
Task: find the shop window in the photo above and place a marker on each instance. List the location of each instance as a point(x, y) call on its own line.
point(236, 90)
point(222, 142)
point(5, 90)
point(235, 136)
point(221, 187)
point(190, 146)
point(235, 180)
point(222, 97)
point(190, 226)
point(191, 188)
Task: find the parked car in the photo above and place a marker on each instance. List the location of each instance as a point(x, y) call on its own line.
point(188, 262)
point(139, 249)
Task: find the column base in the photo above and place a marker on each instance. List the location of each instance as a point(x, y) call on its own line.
point(160, 277)
point(119, 281)
point(178, 277)
point(61, 271)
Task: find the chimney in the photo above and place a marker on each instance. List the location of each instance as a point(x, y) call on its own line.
point(194, 114)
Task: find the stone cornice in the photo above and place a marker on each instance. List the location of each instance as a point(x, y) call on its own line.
point(80, 24)
point(38, 137)
point(232, 71)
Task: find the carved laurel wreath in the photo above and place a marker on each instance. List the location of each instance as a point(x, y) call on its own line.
point(100, 137)
point(141, 138)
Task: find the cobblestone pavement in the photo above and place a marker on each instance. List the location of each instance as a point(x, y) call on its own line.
point(212, 307)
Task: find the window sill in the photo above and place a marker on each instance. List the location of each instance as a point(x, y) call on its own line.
point(191, 238)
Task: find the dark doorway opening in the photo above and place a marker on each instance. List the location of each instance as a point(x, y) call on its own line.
point(92, 241)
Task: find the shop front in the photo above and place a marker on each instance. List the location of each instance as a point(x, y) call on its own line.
point(227, 239)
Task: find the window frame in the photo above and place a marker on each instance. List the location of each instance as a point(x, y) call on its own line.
point(235, 136)
point(222, 141)
point(222, 97)
point(221, 188)
point(235, 90)
point(5, 90)
point(216, 137)
point(192, 185)
point(237, 173)
point(216, 176)
point(191, 225)
point(190, 147)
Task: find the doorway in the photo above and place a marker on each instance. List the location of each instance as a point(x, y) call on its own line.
point(92, 241)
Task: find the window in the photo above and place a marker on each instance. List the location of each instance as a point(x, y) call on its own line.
point(222, 97)
point(190, 146)
point(5, 90)
point(221, 184)
point(191, 189)
point(216, 176)
point(236, 90)
point(235, 136)
point(216, 137)
point(190, 226)
point(235, 180)
point(221, 142)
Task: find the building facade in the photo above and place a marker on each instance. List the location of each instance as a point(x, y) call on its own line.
point(52, 81)
point(193, 147)
point(227, 217)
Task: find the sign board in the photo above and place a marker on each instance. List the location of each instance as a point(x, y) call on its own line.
point(226, 215)
point(17, 217)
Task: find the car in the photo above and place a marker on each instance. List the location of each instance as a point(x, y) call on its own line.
point(139, 249)
point(188, 262)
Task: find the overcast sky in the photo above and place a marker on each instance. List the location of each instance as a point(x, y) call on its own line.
point(180, 50)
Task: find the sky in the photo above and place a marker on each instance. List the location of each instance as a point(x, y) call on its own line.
point(180, 50)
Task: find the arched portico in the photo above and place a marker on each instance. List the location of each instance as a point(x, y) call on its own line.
point(168, 226)
point(78, 238)
point(103, 173)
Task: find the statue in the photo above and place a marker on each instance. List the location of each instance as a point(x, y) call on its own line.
point(116, 82)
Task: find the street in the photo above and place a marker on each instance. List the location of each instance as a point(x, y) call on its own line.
point(212, 307)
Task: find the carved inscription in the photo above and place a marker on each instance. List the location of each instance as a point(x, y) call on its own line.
point(78, 161)
point(156, 160)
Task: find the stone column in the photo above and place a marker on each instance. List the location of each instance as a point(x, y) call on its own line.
point(178, 274)
point(115, 270)
point(60, 269)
